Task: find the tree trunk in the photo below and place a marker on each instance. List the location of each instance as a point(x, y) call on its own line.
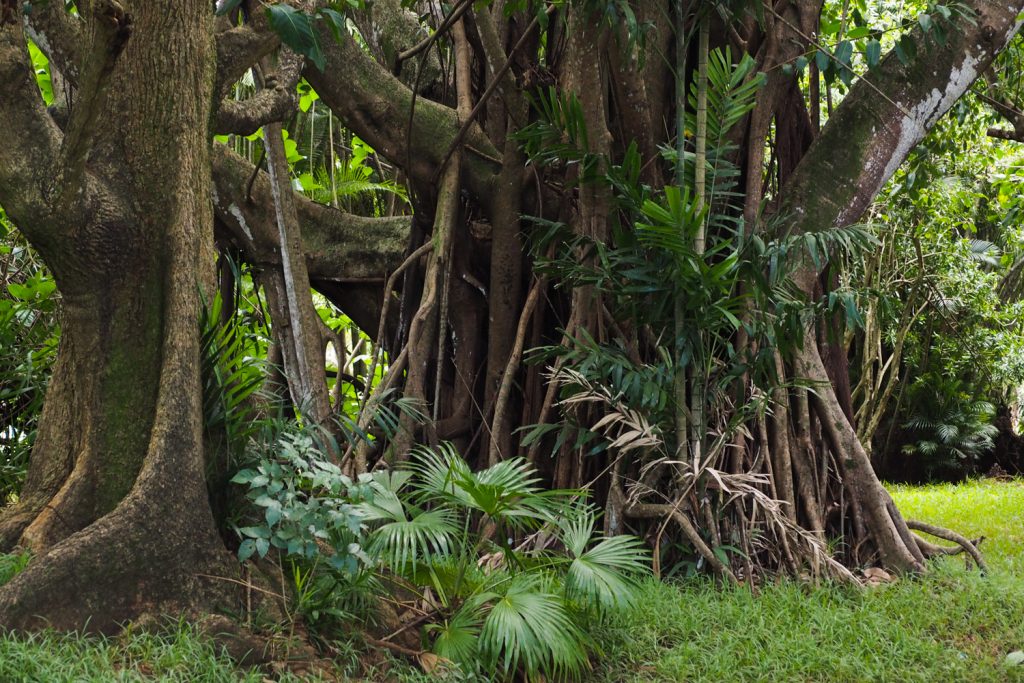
point(115, 508)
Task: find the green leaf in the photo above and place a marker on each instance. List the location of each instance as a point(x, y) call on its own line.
point(335, 21)
point(273, 515)
point(530, 627)
point(822, 59)
point(873, 53)
point(246, 549)
point(456, 638)
point(255, 532)
point(297, 32)
point(243, 477)
point(844, 51)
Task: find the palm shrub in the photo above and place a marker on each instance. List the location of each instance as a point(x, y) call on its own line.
point(948, 425)
point(445, 534)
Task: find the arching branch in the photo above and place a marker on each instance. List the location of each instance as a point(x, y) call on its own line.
point(375, 106)
point(868, 136)
point(347, 256)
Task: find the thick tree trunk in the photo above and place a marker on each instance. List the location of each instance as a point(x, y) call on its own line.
point(115, 509)
point(863, 144)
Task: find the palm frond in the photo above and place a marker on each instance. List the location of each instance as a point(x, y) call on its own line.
point(605, 574)
point(530, 627)
point(230, 376)
point(456, 638)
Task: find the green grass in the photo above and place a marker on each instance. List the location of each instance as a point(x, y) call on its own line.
point(180, 656)
point(983, 507)
point(11, 565)
point(950, 625)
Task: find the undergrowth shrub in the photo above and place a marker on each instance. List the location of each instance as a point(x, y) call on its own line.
point(948, 427)
point(509, 577)
point(497, 607)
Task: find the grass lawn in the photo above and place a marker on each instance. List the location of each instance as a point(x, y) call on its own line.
point(950, 625)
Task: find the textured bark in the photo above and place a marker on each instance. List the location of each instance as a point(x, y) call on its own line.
point(296, 324)
point(120, 446)
point(58, 34)
point(869, 136)
point(865, 140)
point(390, 29)
point(376, 106)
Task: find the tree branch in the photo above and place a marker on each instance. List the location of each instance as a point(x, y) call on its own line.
point(968, 546)
point(868, 137)
point(58, 33)
point(239, 48)
point(111, 30)
point(244, 117)
point(375, 106)
point(272, 104)
point(30, 148)
point(341, 250)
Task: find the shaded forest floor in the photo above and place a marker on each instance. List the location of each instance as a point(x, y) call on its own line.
point(952, 625)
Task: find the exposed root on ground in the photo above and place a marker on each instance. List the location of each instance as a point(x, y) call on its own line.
point(964, 544)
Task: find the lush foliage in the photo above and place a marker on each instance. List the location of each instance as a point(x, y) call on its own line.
point(949, 625)
point(446, 533)
point(941, 301)
point(441, 532)
point(948, 426)
point(29, 331)
point(306, 503)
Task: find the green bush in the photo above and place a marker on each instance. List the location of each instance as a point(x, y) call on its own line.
point(948, 425)
point(445, 534)
point(307, 505)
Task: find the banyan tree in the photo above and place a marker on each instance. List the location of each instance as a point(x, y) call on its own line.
point(619, 260)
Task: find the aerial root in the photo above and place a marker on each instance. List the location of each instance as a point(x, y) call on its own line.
point(931, 549)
